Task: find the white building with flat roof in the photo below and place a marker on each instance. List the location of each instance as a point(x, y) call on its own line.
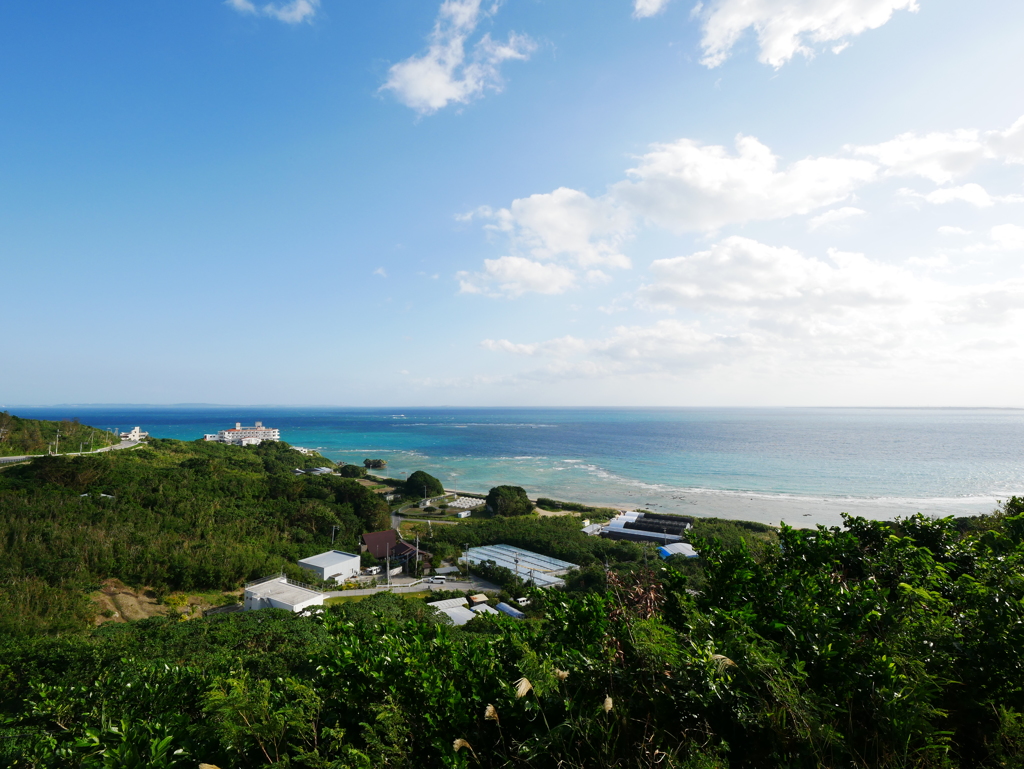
point(280, 593)
point(334, 564)
point(135, 434)
point(245, 436)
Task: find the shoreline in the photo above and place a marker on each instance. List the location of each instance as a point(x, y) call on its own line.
point(800, 512)
point(804, 512)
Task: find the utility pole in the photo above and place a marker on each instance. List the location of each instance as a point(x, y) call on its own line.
point(418, 563)
point(57, 450)
point(333, 529)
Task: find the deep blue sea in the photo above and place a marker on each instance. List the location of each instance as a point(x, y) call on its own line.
point(670, 460)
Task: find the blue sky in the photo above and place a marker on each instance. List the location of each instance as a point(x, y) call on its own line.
point(531, 202)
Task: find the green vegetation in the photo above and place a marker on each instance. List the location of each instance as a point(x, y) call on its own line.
point(596, 513)
point(421, 485)
point(509, 501)
point(755, 536)
point(171, 516)
point(351, 471)
point(36, 436)
point(869, 645)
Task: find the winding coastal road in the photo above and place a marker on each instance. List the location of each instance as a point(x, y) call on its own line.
point(23, 458)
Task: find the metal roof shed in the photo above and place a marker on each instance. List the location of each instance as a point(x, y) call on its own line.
point(510, 611)
point(677, 548)
point(449, 603)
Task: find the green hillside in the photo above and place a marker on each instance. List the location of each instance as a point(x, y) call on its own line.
point(172, 516)
point(873, 644)
point(38, 436)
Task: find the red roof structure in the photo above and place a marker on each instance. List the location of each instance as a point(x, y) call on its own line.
point(380, 544)
point(404, 551)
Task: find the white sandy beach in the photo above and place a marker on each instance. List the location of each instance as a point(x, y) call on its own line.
point(805, 511)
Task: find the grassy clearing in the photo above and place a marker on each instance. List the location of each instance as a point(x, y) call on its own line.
point(356, 598)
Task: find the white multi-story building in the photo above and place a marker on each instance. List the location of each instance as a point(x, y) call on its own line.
point(245, 436)
point(135, 434)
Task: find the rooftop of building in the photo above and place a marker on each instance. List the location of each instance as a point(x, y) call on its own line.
point(282, 589)
point(329, 558)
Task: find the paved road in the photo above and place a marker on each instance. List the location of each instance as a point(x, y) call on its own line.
point(121, 445)
point(409, 586)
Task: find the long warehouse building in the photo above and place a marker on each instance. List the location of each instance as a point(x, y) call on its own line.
point(542, 570)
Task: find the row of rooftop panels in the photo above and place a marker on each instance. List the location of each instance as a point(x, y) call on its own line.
point(541, 569)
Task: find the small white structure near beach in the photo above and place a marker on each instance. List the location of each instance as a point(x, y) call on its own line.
point(280, 593)
point(334, 564)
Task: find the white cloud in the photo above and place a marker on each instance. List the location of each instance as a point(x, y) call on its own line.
point(972, 193)
point(566, 235)
point(561, 346)
point(688, 186)
point(381, 271)
point(643, 9)
point(740, 272)
point(445, 74)
point(293, 12)
point(940, 262)
point(773, 308)
point(515, 275)
point(941, 157)
point(785, 28)
point(568, 224)
point(947, 230)
point(667, 345)
point(835, 216)
point(1009, 237)
point(1009, 144)
point(945, 156)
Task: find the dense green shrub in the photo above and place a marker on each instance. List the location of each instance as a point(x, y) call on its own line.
point(509, 501)
point(422, 485)
point(868, 645)
point(351, 471)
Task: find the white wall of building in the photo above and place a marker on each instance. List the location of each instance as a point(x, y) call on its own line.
point(334, 564)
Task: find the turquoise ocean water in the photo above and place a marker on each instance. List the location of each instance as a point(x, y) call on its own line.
point(660, 459)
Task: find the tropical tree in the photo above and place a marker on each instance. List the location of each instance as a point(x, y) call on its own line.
point(421, 484)
point(509, 501)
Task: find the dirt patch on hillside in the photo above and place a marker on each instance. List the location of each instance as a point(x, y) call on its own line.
point(116, 602)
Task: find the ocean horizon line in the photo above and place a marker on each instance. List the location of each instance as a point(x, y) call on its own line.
point(516, 407)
